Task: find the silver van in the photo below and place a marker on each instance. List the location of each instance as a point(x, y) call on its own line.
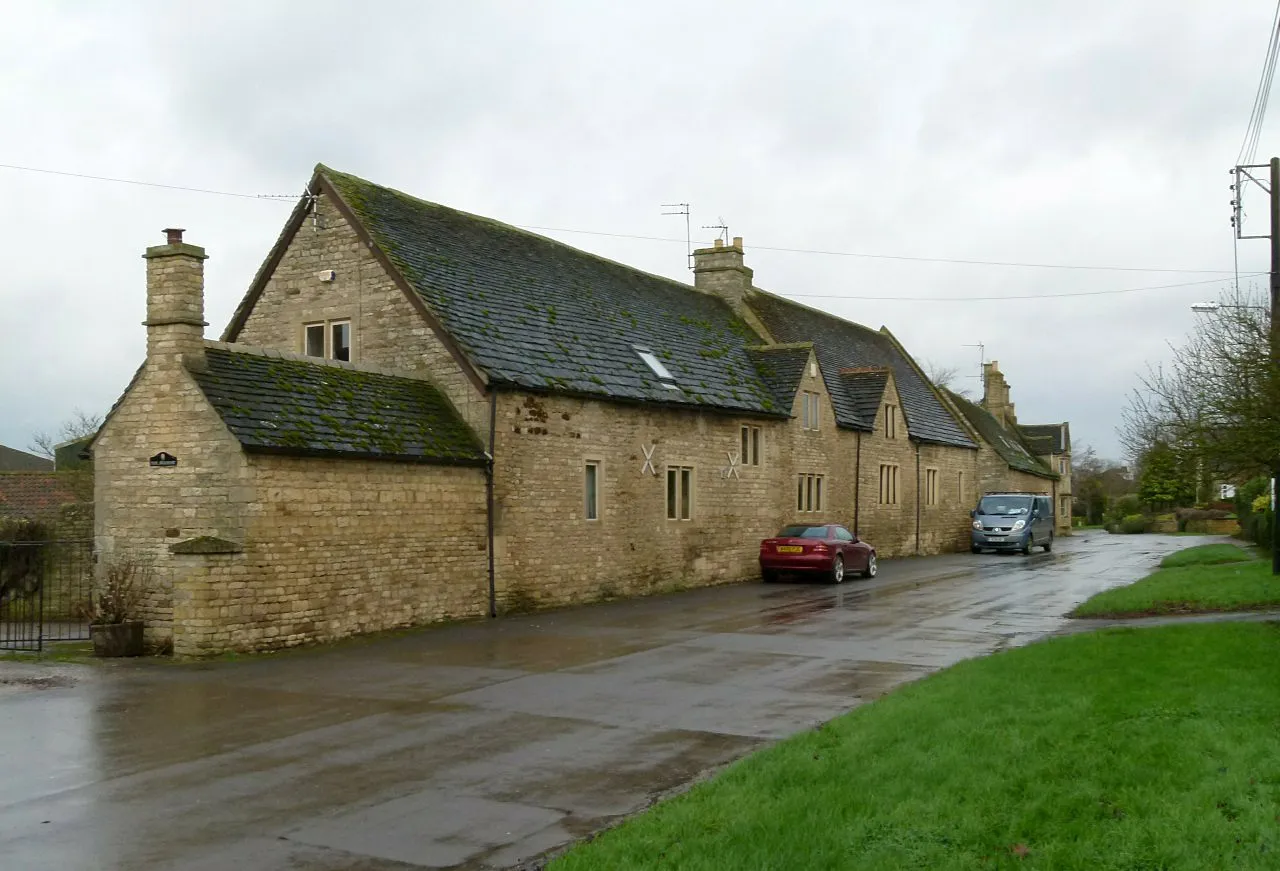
point(1012, 521)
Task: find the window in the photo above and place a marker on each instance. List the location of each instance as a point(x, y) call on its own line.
point(591, 486)
point(930, 486)
point(679, 493)
point(809, 409)
point(328, 339)
point(808, 492)
point(960, 494)
point(651, 360)
point(1066, 505)
point(888, 484)
point(750, 446)
point(1062, 466)
point(890, 421)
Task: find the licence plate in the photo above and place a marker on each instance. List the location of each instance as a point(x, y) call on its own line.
point(790, 548)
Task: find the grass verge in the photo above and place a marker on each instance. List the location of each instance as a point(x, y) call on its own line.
point(1213, 577)
point(1126, 748)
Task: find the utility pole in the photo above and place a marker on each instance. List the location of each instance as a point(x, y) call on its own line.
point(1275, 350)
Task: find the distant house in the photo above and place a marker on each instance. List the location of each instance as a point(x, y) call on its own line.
point(12, 460)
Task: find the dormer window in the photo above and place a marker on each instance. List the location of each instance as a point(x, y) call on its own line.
point(664, 374)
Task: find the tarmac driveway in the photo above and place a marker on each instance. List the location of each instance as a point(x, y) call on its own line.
point(485, 744)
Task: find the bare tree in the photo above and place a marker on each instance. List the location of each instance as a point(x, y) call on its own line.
point(1218, 401)
point(946, 377)
point(81, 424)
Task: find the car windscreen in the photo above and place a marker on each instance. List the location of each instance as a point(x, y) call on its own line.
point(802, 532)
point(1006, 505)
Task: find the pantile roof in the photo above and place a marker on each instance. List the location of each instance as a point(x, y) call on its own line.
point(40, 494)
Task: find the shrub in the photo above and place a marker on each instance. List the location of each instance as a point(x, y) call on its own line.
point(124, 588)
point(1123, 507)
point(1133, 524)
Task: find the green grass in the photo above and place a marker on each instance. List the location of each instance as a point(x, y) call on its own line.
point(1206, 554)
point(1121, 749)
point(1209, 578)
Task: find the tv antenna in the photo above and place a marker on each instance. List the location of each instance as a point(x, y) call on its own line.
point(722, 227)
point(982, 359)
point(683, 209)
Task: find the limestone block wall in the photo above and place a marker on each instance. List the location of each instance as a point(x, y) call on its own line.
point(142, 509)
point(889, 526)
point(386, 329)
point(945, 525)
point(337, 547)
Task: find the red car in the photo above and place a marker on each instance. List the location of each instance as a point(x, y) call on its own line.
point(830, 549)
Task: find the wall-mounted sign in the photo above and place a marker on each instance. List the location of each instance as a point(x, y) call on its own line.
point(163, 459)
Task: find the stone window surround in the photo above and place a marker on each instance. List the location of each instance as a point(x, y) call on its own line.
point(327, 324)
point(591, 490)
point(931, 487)
point(810, 406)
point(752, 446)
point(681, 502)
point(890, 421)
point(809, 496)
point(888, 484)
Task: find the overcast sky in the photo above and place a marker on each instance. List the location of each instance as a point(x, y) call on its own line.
point(1085, 133)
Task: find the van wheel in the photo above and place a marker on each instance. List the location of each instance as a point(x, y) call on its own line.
point(1025, 550)
point(1048, 545)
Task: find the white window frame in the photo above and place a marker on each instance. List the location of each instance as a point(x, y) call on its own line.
point(591, 490)
point(888, 484)
point(683, 506)
point(751, 443)
point(1062, 465)
point(656, 366)
point(326, 327)
point(810, 492)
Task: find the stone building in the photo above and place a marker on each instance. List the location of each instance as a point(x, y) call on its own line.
point(610, 432)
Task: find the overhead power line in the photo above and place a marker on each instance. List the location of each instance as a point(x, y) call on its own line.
point(755, 247)
point(1017, 296)
point(1249, 147)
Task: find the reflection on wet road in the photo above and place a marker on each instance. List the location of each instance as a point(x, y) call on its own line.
point(484, 744)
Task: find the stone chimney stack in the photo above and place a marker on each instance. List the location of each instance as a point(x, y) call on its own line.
point(719, 271)
point(175, 303)
point(995, 394)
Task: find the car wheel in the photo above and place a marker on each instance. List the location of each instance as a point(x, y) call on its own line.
point(1048, 545)
point(872, 568)
point(837, 569)
point(768, 575)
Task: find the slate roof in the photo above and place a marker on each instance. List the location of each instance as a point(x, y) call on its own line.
point(20, 461)
point(1008, 444)
point(534, 313)
point(1046, 438)
point(865, 388)
point(840, 344)
point(40, 494)
point(275, 404)
point(781, 367)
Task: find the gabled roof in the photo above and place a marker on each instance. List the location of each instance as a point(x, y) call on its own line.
point(530, 312)
point(276, 403)
point(1007, 444)
point(1046, 438)
point(781, 367)
point(12, 460)
point(865, 388)
point(840, 344)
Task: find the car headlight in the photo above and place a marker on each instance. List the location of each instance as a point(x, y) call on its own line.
point(977, 524)
point(1019, 525)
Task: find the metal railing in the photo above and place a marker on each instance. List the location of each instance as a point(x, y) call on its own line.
point(46, 589)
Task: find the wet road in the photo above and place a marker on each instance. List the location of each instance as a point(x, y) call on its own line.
point(485, 744)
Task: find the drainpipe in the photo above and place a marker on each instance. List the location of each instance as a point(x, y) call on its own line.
point(917, 499)
point(857, 477)
point(488, 486)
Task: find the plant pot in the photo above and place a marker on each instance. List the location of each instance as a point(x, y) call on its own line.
point(117, 639)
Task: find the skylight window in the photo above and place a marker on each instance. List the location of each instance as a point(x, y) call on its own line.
point(664, 374)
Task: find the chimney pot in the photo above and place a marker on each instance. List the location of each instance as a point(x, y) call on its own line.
point(737, 241)
point(174, 235)
point(719, 243)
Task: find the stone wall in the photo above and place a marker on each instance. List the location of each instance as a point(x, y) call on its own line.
point(337, 547)
point(142, 509)
point(386, 329)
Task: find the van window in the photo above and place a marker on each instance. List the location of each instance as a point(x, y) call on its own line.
point(1005, 505)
